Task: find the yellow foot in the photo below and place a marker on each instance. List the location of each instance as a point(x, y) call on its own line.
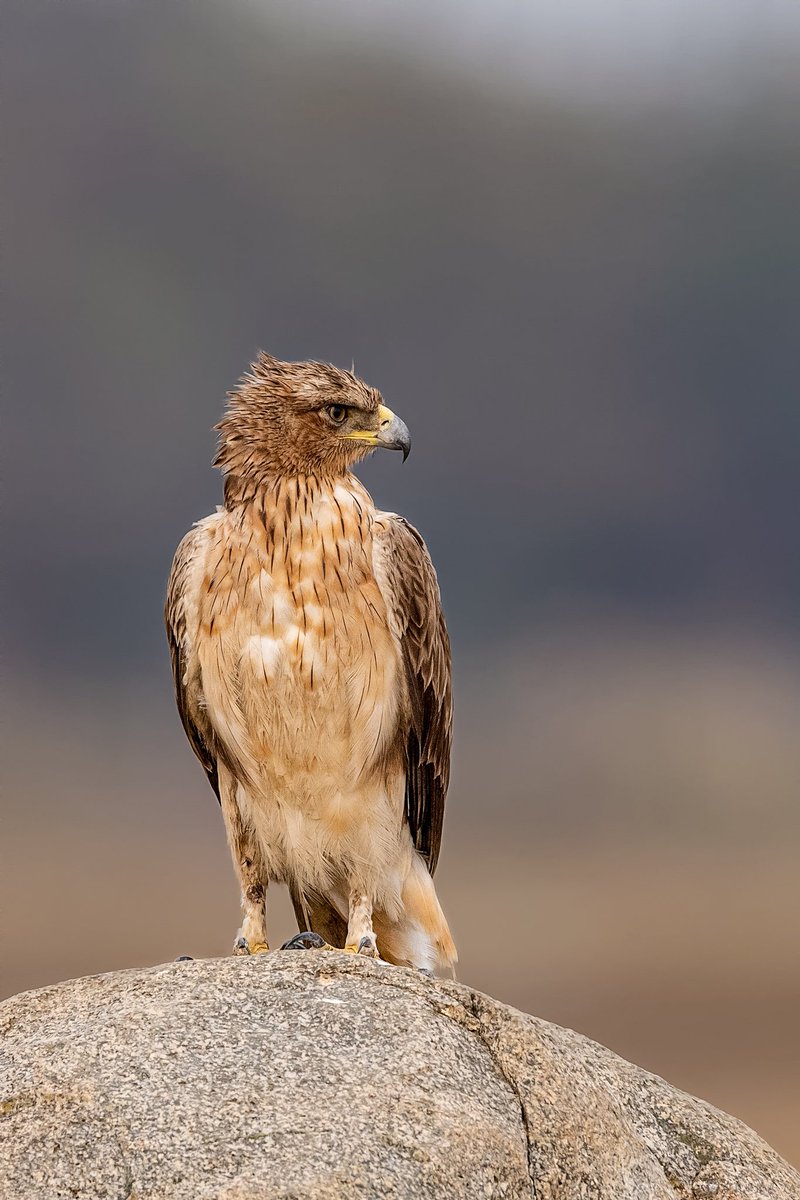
point(367, 948)
point(242, 947)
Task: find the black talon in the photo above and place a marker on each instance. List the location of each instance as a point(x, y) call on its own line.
point(368, 948)
point(304, 941)
point(240, 946)
point(184, 958)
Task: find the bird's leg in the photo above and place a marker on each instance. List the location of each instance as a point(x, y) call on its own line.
point(249, 865)
point(360, 934)
point(252, 937)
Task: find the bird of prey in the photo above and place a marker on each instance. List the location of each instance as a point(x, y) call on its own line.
point(312, 670)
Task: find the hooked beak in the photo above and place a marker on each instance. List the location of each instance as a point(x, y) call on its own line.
point(391, 434)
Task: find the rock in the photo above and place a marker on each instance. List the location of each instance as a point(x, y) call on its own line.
point(320, 1076)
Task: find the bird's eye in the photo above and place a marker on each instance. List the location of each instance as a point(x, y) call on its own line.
point(337, 413)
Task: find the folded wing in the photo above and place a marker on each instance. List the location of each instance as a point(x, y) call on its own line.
point(178, 615)
point(410, 591)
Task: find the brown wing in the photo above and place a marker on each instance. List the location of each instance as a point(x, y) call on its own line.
point(411, 593)
point(185, 674)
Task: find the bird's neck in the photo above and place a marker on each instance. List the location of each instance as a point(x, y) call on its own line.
point(290, 494)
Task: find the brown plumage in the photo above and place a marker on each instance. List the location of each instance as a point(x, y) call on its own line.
point(312, 669)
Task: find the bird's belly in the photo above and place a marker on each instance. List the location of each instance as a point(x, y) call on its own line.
point(307, 715)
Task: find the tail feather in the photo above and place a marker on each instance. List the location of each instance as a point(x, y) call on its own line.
point(420, 937)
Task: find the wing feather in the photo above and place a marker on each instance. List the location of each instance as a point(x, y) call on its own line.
point(185, 673)
point(411, 592)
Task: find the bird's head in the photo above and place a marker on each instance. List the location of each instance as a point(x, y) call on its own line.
point(309, 418)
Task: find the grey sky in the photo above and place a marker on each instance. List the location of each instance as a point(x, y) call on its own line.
point(611, 48)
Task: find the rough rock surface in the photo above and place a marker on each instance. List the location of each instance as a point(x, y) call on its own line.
point(317, 1075)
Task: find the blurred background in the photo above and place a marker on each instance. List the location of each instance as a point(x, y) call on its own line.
point(563, 241)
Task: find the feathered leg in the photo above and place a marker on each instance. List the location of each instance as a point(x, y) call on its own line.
point(249, 866)
point(360, 934)
point(324, 929)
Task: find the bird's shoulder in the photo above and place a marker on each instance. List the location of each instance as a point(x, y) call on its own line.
point(190, 556)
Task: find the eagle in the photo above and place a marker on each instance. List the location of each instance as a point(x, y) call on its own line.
point(311, 665)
